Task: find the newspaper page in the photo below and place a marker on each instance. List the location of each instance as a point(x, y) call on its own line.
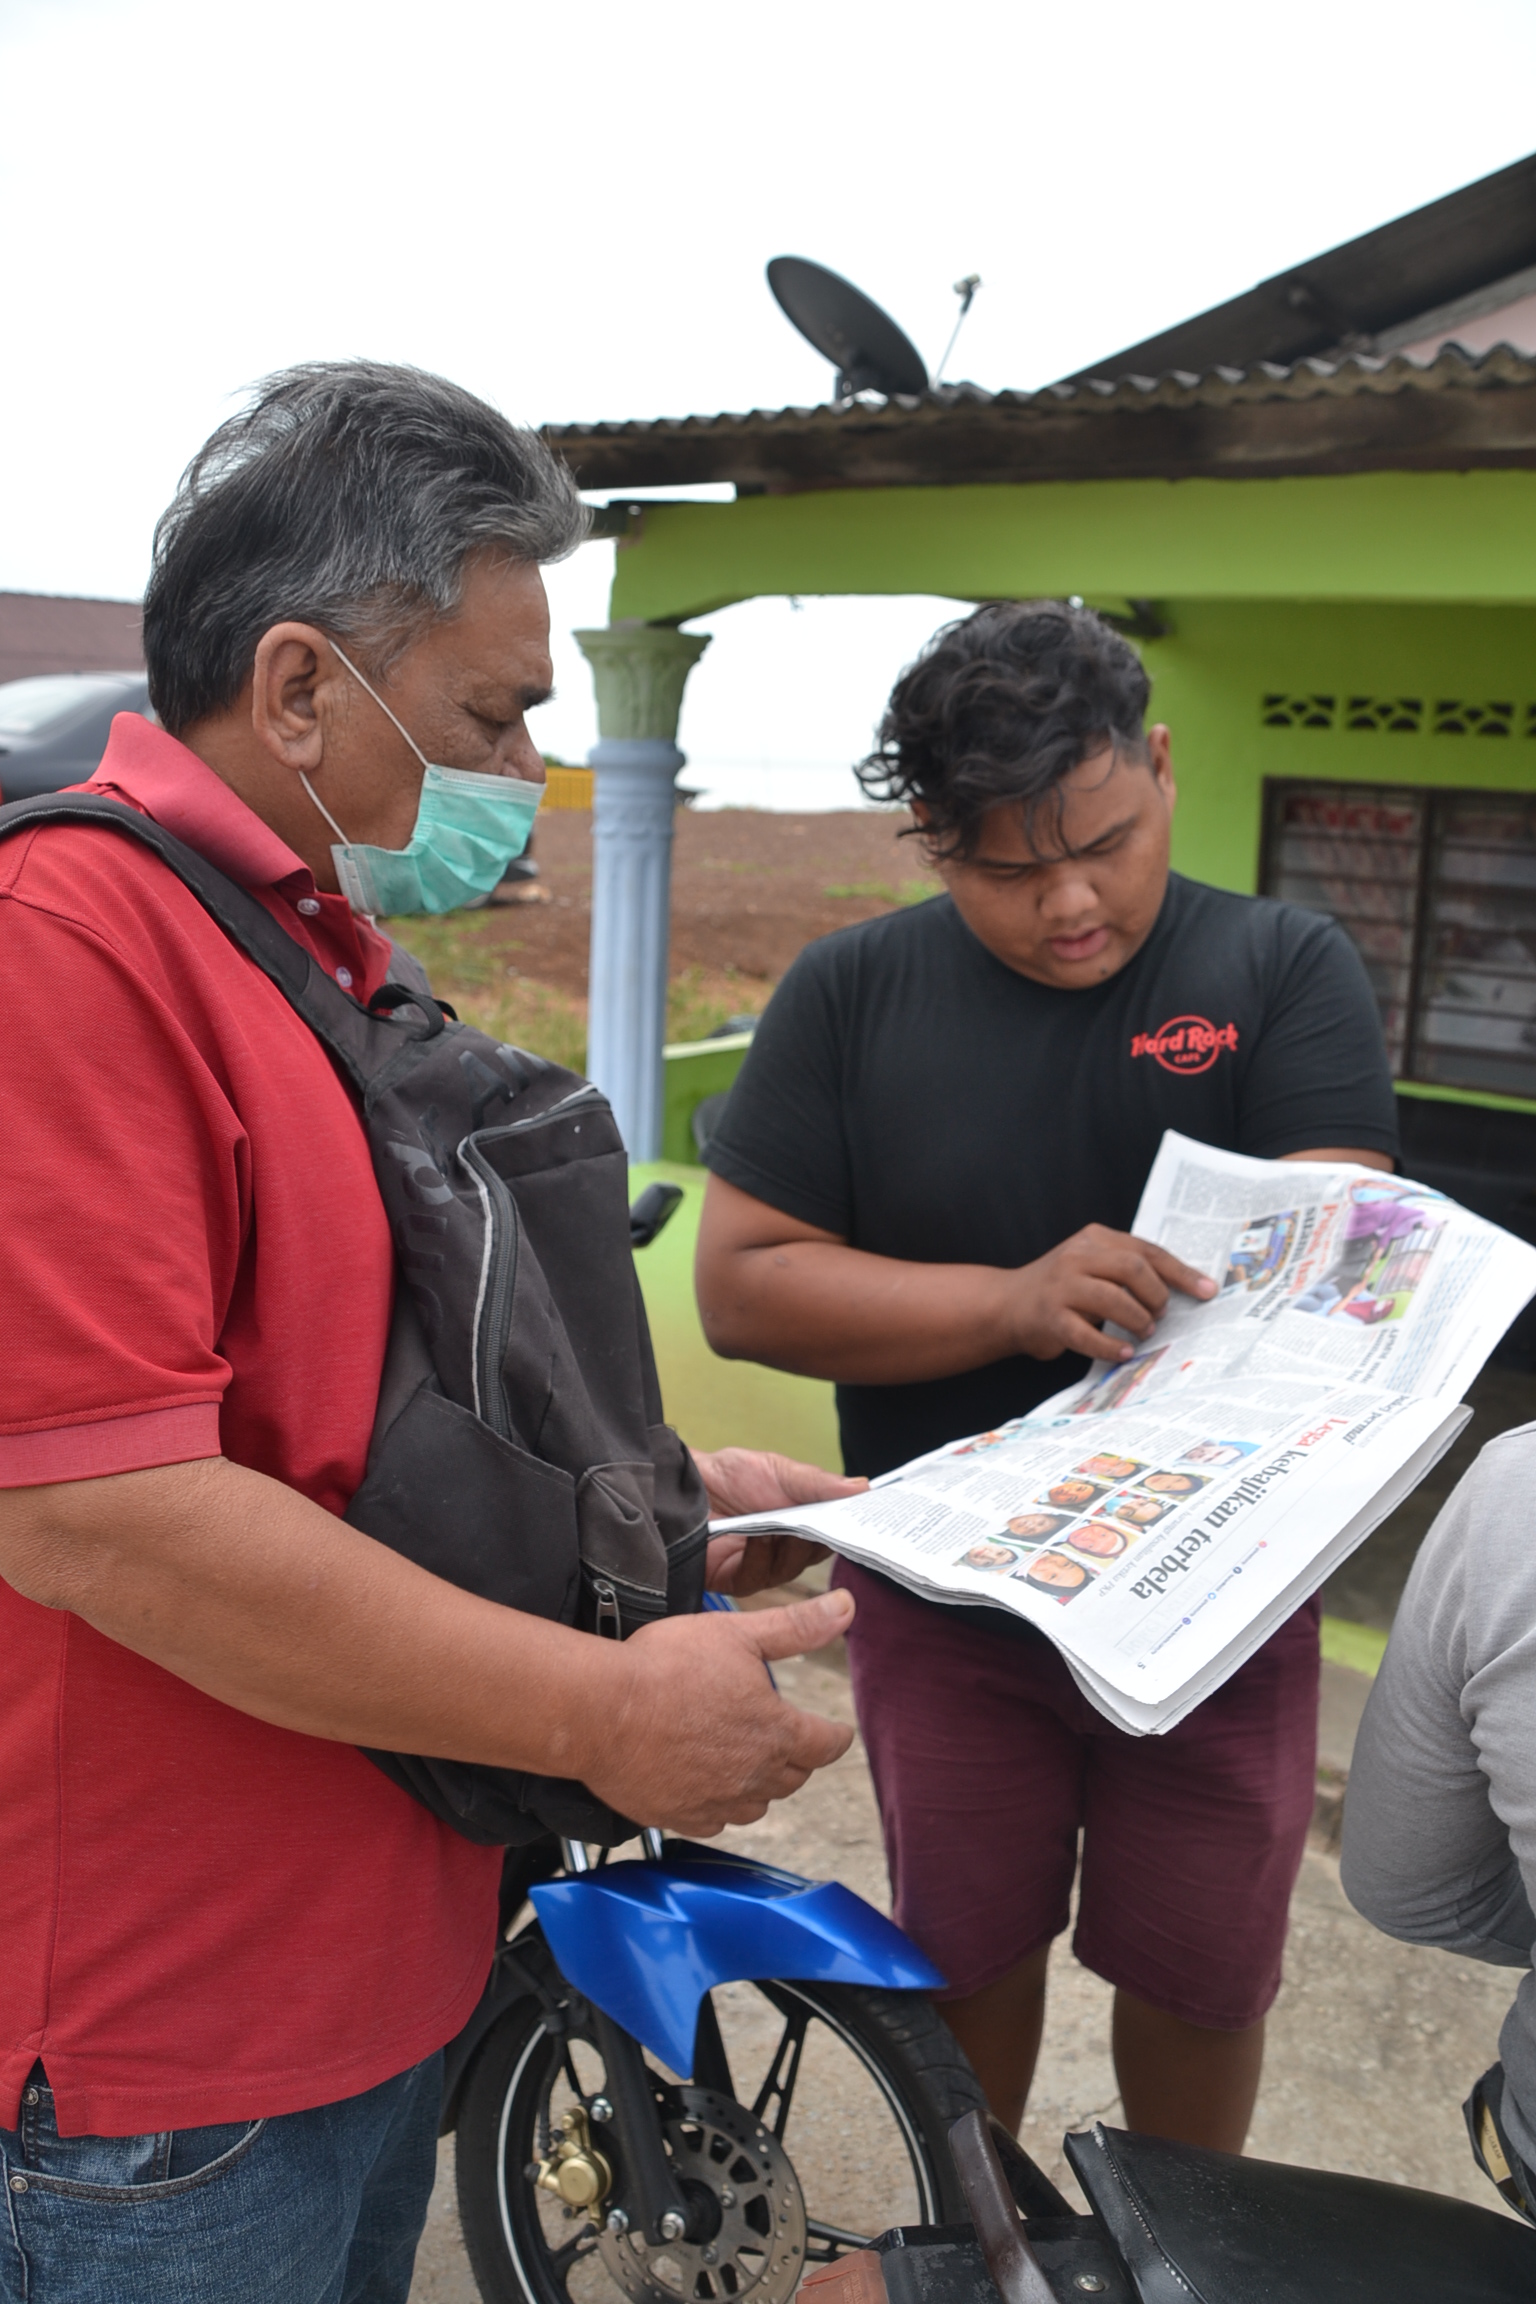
point(1159, 1519)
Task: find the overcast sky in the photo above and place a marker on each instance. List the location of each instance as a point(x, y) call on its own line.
point(568, 209)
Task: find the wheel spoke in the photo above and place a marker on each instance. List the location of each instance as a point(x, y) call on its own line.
point(778, 2087)
point(561, 2259)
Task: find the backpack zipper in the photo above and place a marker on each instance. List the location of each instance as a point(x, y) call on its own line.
point(498, 1275)
point(609, 1625)
point(498, 1265)
point(586, 1094)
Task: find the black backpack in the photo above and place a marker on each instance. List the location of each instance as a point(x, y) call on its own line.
point(518, 1449)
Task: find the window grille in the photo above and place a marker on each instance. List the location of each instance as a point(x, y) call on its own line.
point(1456, 719)
point(1437, 890)
point(1298, 711)
point(1399, 715)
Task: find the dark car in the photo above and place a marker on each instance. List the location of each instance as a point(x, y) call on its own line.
point(54, 726)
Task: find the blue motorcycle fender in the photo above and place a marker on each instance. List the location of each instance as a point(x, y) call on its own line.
point(646, 1941)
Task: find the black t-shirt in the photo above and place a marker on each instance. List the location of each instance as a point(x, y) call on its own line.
point(913, 1094)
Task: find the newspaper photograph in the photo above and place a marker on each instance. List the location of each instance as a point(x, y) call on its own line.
point(1159, 1519)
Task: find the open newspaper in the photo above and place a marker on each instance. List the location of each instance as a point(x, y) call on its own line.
point(1159, 1519)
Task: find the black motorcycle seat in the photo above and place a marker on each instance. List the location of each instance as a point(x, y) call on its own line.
point(1194, 2227)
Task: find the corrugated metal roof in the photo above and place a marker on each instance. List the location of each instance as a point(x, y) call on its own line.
point(1358, 412)
point(1362, 289)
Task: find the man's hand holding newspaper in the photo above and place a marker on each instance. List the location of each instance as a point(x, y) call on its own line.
point(1158, 1520)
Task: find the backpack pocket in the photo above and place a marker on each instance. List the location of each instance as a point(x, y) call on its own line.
point(449, 1493)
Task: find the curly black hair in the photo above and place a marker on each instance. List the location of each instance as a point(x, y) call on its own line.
point(1000, 707)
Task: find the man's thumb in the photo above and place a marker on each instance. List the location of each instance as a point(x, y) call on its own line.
point(797, 1630)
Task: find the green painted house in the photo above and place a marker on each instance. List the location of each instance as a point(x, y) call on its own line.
point(1314, 509)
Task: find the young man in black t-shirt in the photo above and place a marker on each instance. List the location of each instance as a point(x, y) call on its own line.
point(921, 1189)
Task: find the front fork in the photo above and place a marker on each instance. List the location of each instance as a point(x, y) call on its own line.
point(650, 2200)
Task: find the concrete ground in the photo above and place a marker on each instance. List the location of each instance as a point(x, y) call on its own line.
point(1372, 2045)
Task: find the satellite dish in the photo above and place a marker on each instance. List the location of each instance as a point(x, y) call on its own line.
point(864, 344)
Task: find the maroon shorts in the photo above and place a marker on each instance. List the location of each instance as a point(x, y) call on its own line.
point(988, 1763)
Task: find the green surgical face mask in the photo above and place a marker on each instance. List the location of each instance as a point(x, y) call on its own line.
point(469, 828)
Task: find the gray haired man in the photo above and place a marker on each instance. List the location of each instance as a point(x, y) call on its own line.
point(1440, 1823)
point(234, 1948)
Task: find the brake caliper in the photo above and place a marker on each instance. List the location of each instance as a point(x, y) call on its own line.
point(574, 2170)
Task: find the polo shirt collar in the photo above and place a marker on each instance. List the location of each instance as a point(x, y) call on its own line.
point(182, 793)
point(151, 771)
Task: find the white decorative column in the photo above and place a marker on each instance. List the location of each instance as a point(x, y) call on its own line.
point(639, 671)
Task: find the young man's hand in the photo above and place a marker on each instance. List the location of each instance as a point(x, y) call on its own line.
point(1061, 1300)
point(697, 1736)
point(743, 1480)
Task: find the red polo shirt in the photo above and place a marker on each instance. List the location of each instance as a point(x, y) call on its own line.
point(202, 1918)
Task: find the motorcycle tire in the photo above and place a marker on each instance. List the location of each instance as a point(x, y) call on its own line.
point(909, 2080)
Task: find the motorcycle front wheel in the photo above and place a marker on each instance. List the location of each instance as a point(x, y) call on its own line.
point(824, 2123)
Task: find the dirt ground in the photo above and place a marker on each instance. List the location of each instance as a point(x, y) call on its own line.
point(748, 890)
point(1372, 2045)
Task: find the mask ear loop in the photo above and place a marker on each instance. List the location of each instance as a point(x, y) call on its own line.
point(383, 707)
point(314, 795)
point(325, 812)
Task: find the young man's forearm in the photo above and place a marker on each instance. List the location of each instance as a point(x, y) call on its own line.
point(820, 1308)
point(772, 1289)
point(779, 1291)
point(245, 1589)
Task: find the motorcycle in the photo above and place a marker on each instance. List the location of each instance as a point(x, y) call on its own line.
point(693, 2077)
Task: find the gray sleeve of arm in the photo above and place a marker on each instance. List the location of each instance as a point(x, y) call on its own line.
point(1440, 1811)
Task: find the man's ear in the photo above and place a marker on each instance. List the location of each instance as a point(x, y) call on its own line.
point(1160, 760)
point(295, 686)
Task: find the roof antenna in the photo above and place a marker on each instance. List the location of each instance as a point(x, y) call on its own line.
point(966, 291)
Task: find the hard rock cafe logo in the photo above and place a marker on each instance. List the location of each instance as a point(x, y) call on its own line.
point(1186, 1043)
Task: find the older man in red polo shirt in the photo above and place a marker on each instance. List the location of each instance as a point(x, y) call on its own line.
point(232, 1948)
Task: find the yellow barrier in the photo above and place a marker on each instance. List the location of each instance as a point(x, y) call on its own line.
point(568, 788)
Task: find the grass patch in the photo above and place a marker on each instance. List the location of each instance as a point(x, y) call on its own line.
point(454, 950)
point(468, 964)
point(886, 891)
point(1356, 1645)
point(700, 1000)
point(531, 1015)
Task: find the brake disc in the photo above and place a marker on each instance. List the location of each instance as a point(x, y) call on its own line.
point(745, 2203)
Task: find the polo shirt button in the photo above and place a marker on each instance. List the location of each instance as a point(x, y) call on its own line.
point(18, 2184)
point(309, 906)
point(344, 978)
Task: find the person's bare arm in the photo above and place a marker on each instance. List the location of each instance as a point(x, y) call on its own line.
point(773, 1289)
point(250, 1592)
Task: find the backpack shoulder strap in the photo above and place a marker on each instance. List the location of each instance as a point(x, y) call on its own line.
point(346, 1028)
